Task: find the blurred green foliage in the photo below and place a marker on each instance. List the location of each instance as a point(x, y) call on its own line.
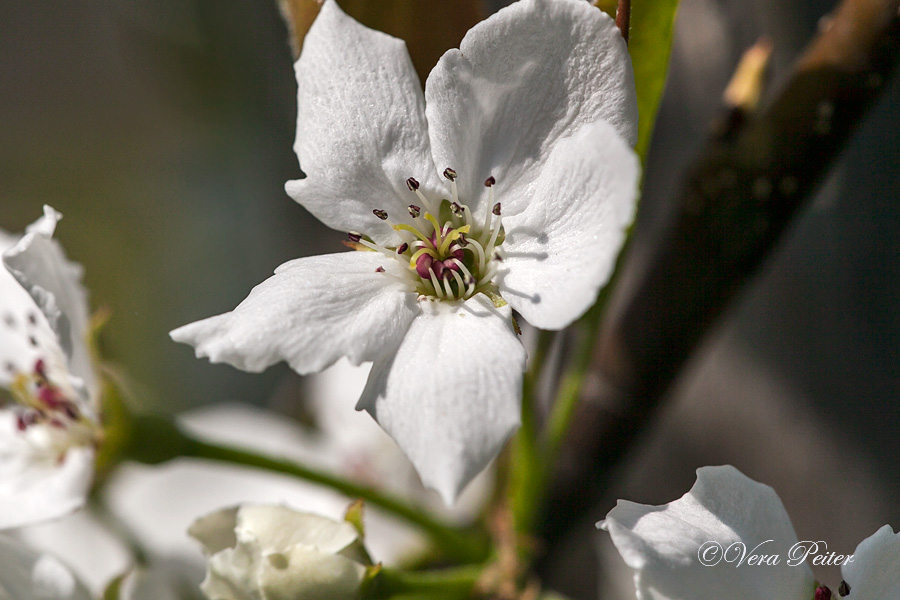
point(650, 44)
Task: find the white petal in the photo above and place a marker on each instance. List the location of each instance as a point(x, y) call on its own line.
point(562, 248)
point(29, 575)
point(95, 554)
point(302, 573)
point(26, 336)
point(310, 313)
point(450, 396)
point(874, 573)
point(279, 554)
point(361, 128)
point(40, 265)
point(532, 74)
point(36, 484)
point(215, 531)
point(278, 528)
point(663, 544)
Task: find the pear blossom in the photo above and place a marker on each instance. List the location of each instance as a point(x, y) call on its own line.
point(680, 551)
point(29, 575)
point(48, 392)
point(507, 185)
point(267, 552)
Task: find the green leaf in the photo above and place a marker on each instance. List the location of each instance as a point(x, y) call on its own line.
point(652, 23)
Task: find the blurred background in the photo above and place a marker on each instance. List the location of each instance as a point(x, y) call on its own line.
point(162, 130)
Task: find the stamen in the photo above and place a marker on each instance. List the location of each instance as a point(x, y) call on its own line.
point(418, 234)
point(481, 257)
point(497, 227)
point(457, 209)
point(402, 248)
point(437, 286)
point(412, 184)
point(462, 267)
point(413, 210)
point(354, 237)
point(450, 174)
point(496, 209)
point(380, 214)
point(459, 282)
point(376, 247)
point(447, 288)
point(844, 588)
point(379, 270)
point(490, 181)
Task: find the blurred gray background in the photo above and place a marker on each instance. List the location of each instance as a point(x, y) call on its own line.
point(162, 130)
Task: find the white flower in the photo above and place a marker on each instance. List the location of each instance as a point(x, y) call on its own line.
point(48, 406)
point(538, 104)
point(29, 575)
point(274, 553)
point(663, 546)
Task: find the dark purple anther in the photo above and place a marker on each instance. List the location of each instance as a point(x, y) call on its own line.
point(379, 270)
point(490, 181)
point(354, 237)
point(414, 210)
point(823, 593)
point(496, 209)
point(450, 174)
point(844, 588)
point(380, 214)
point(457, 209)
point(51, 397)
point(412, 184)
point(423, 263)
point(71, 411)
point(463, 240)
point(402, 248)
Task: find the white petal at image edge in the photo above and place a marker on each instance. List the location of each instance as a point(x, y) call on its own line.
point(874, 573)
point(662, 543)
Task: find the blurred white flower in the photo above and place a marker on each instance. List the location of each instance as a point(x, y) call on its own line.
point(664, 545)
point(261, 552)
point(539, 104)
point(48, 392)
point(29, 575)
point(346, 443)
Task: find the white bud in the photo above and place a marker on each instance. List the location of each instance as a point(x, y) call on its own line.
point(273, 552)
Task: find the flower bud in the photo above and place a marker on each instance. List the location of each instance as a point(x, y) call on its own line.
point(273, 552)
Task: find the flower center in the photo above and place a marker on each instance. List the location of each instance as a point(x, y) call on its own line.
point(446, 253)
point(39, 401)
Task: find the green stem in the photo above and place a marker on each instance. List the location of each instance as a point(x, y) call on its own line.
point(463, 545)
point(445, 584)
point(536, 452)
point(527, 465)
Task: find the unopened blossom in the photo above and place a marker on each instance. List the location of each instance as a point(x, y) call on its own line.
point(269, 552)
point(507, 186)
point(674, 549)
point(26, 574)
point(48, 407)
